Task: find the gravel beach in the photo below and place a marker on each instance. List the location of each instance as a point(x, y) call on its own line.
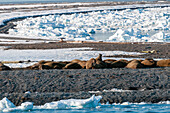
point(139, 85)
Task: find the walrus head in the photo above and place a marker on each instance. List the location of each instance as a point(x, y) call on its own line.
point(99, 57)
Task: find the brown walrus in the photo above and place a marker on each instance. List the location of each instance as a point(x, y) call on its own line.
point(134, 64)
point(72, 66)
point(163, 63)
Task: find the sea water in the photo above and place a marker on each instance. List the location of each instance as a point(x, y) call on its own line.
point(57, 1)
point(90, 105)
point(134, 108)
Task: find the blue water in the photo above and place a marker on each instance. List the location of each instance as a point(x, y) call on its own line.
point(133, 108)
point(56, 1)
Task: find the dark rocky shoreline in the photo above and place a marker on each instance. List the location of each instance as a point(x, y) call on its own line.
point(145, 85)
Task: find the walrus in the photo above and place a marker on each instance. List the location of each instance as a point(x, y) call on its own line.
point(99, 57)
point(36, 65)
point(163, 63)
point(149, 63)
point(90, 64)
point(100, 64)
point(118, 64)
point(72, 66)
point(82, 64)
point(75, 60)
point(134, 64)
point(50, 65)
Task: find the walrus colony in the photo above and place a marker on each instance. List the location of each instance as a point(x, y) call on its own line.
point(94, 63)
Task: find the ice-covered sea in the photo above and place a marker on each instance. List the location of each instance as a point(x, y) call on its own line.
point(139, 25)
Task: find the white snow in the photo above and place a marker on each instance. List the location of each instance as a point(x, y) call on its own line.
point(127, 25)
point(55, 54)
point(26, 106)
point(117, 90)
point(112, 90)
point(92, 102)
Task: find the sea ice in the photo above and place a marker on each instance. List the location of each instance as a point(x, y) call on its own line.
point(144, 22)
point(92, 102)
point(26, 106)
point(128, 25)
point(5, 103)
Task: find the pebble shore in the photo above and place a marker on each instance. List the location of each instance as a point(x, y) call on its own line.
point(140, 85)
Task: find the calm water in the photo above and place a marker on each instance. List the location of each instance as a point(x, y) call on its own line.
point(51, 1)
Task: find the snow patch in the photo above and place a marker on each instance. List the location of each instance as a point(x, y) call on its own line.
point(55, 54)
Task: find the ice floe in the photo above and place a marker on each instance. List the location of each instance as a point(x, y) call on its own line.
point(92, 102)
point(138, 25)
point(143, 23)
point(5, 103)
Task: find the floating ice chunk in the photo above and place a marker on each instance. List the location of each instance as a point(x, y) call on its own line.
point(89, 38)
point(122, 35)
point(164, 102)
point(5, 103)
point(26, 106)
point(158, 37)
point(92, 102)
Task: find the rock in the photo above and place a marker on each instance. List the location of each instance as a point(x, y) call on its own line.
point(149, 63)
point(4, 67)
point(163, 63)
point(72, 66)
point(118, 64)
point(135, 64)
